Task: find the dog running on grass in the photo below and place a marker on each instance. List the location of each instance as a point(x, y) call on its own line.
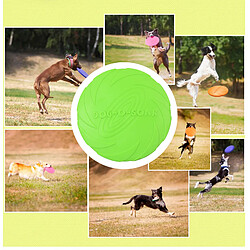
point(61, 70)
point(188, 142)
point(206, 69)
point(29, 172)
point(223, 173)
point(159, 52)
point(155, 201)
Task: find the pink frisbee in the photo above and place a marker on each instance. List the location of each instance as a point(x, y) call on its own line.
point(152, 40)
point(50, 170)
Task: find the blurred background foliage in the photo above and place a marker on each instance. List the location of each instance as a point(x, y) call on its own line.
point(221, 144)
point(229, 56)
point(136, 24)
point(87, 42)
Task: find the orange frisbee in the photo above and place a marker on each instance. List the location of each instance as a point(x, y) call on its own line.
point(190, 131)
point(218, 91)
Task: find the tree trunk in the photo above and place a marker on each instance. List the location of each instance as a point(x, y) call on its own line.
point(88, 44)
point(11, 37)
point(142, 31)
point(96, 42)
point(180, 65)
point(170, 39)
point(121, 25)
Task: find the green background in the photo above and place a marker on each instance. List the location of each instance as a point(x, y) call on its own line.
point(193, 17)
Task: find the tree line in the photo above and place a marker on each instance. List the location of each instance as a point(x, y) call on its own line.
point(87, 42)
point(221, 144)
point(136, 24)
point(229, 56)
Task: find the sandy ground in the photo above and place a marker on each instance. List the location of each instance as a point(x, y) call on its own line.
point(109, 188)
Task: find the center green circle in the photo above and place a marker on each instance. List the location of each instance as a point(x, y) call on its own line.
point(124, 114)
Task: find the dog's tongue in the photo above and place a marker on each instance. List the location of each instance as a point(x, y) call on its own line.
point(152, 40)
point(50, 170)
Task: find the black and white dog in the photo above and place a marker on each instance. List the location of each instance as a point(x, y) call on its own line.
point(159, 52)
point(189, 141)
point(223, 173)
point(206, 69)
point(155, 201)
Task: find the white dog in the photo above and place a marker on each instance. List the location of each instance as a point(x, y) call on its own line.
point(206, 69)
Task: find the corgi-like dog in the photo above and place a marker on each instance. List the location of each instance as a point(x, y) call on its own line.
point(29, 172)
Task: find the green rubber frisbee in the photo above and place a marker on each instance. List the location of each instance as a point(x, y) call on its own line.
point(123, 114)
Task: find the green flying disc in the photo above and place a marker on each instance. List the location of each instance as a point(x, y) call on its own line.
point(123, 115)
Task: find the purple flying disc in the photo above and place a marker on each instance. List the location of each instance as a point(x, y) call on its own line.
point(50, 170)
point(229, 149)
point(82, 72)
point(152, 40)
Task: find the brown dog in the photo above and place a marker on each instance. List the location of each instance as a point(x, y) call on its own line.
point(54, 73)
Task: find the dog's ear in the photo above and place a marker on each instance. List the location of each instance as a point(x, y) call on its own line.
point(146, 33)
point(160, 188)
point(214, 48)
point(205, 50)
point(155, 31)
point(75, 57)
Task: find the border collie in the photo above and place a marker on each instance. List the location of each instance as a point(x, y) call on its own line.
point(206, 69)
point(223, 173)
point(188, 142)
point(155, 201)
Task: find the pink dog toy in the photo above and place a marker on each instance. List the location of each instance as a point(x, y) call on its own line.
point(152, 40)
point(50, 170)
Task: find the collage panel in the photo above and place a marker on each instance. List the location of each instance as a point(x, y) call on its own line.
point(45, 171)
point(190, 147)
point(147, 40)
point(209, 73)
point(137, 202)
point(222, 188)
point(43, 68)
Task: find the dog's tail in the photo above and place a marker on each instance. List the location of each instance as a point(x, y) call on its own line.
point(125, 203)
point(181, 83)
point(167, 48)
point(183, 145)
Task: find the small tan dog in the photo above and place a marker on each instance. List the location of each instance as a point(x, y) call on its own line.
point(29, 172)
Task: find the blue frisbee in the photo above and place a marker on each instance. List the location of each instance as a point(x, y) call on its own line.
point(229, 149)
point(82, 72)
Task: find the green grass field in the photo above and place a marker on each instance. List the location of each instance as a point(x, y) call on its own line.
point(227, 112)
point(21, 107)
point(200, 159)
point(224, 197)
point(66, 191)
point(133, 49)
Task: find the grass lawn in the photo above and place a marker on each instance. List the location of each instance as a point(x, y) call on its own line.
point(226, 197)
point(227, 112)
point(66, 191)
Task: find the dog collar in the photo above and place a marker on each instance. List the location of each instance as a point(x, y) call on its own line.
point(70, 62)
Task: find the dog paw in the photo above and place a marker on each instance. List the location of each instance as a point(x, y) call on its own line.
point(196, 184)
point(41, 111)
point(46, 112)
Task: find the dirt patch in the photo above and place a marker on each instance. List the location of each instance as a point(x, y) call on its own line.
point(109, 188)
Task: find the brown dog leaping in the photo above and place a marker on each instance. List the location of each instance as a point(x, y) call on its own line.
point(61, 70)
